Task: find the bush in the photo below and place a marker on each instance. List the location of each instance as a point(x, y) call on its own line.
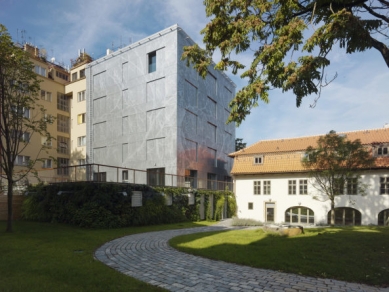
point(103, 205)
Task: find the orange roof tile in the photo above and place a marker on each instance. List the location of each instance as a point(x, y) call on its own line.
point(284, 155)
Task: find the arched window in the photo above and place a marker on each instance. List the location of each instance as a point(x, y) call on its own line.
point(345, 216)
point(300, 215)
point(383, 217)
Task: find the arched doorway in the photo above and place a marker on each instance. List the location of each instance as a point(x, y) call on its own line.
point(345, 216)
point(299, 215)
point(383, 217)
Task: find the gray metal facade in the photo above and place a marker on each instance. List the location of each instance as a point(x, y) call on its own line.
point(170, 118)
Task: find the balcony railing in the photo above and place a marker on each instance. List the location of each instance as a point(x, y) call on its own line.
point(107, 173)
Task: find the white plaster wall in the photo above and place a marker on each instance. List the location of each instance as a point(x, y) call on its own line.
point(369, 205)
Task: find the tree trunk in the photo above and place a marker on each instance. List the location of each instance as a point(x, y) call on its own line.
point(10, 209)
point(332, 213)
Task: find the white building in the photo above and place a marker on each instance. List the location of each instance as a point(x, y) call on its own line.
point(147, 110)
point(272, 186)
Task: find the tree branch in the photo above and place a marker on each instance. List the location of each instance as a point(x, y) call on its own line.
point(372, 12)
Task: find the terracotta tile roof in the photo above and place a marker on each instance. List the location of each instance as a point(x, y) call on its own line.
point(284, 155)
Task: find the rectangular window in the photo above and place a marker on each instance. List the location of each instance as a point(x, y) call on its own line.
point(258, 159)
point(62, 102)
point(81, 96)
point(26, 113)
point(125, 176)
point(292, 187)
point(352, 186)
point(81, 141)
point(266, 187)
point(81, 118)
point(63, 145)
point(46, 142)
point(82, 73)
point(338, 186)
point(257, 187)
point(40, 70)
point(45, 95)
point(152, 60)
point(22, 160)
point(251, 206)
point(156, 176)
point(63, 166)
point(81, 163)
point(47, 163)
point(382, 151)
point(384, 188)
point(303, 184)
point(100, 176)
point(211, 181)
point(74, 76)
point(61, 75)
point(63, 124)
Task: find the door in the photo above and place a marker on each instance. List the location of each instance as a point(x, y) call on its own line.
point(270, 209)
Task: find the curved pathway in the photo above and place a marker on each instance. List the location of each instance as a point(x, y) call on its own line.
point(149, 258)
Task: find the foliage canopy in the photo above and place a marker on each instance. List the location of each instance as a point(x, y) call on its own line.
point(20, 114)
point(335, 164)
point(290, 41)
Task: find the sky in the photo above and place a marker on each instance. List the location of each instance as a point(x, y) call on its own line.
point(356, 100)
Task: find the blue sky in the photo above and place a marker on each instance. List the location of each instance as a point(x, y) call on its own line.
point(356, 100)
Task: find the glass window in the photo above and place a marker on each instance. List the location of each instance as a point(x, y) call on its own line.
point(346, 216)
point(125, 176)
point(81, 96)
point(266, 187)
point(258, 159)
point(63, 124)
point(352, 186)
point(292, 187)
point(81, 141)
point(383, 217)
point(63, 145)
point(251, 206)
point(82, 73)
point(63, 166)
point(156, 176)
point(211, 181)
point(74, 76)
point(152, 61)
point(81, 118)
point(62, 102)
point(384, 185)
point(301, 215)
point(47, 163)
point(257, 187)
point(303, 184)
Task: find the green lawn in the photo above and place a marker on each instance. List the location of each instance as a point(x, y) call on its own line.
point(54, 257)
point(359, 254)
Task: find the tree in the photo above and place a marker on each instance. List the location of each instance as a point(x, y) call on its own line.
point(335, 164)
point(290, 41)
point(239, 144)
point(20, 115)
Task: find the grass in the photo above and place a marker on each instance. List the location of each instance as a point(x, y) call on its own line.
point(354, 254)
point(55, 257)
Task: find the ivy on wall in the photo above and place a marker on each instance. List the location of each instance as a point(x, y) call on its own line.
point(105, 205)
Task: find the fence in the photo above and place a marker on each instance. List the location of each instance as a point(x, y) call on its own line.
point(107, 173)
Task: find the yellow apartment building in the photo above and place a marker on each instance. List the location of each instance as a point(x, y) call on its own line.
point(57, 105)
point(76, 92)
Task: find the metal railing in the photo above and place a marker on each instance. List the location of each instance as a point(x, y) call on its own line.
point(108, 173)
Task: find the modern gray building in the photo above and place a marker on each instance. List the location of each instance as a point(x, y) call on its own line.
point(146, 110)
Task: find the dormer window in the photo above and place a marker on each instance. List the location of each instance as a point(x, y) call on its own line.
point(382, 151)
point(258, 159)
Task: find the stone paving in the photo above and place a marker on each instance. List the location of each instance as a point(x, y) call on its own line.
point(149, 258)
